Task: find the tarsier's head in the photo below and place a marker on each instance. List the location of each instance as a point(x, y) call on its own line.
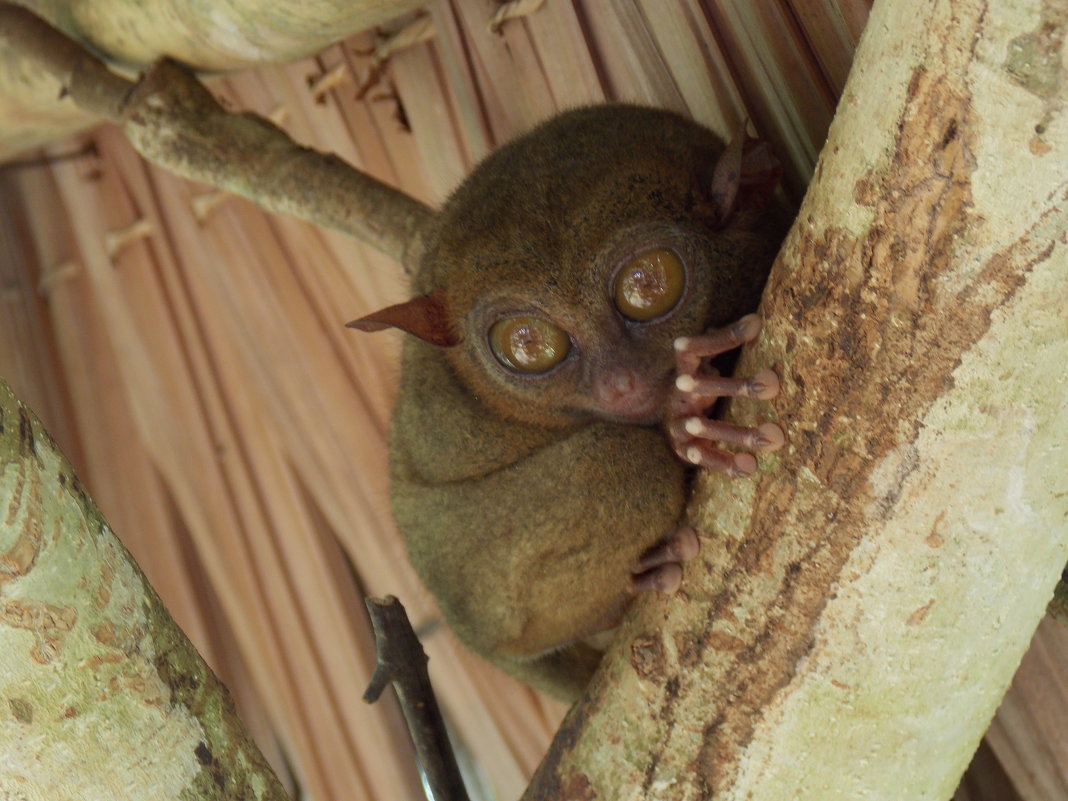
point(559, 274)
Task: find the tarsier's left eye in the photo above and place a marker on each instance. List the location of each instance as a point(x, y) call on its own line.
point(650, 285)
point(528, 344)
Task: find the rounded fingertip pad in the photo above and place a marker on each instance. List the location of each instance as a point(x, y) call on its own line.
point(747, 328)
point(771, 437)
point(668, 579)
point(764, 385)
point(687, 544)
point(744, 464)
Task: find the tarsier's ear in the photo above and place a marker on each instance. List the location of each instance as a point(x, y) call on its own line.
point(746, 173)
point(425, 316)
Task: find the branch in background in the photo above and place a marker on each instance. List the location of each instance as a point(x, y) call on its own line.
point(87, 150)
point(402, 661)
point(172, 120)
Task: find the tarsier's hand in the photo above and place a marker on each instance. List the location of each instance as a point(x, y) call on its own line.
point(693, 435)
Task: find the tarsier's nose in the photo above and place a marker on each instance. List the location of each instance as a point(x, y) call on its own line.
point(625, 394)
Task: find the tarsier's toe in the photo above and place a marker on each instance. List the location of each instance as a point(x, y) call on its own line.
point(666, 579)
point(770, 437)
point(763, 385)
point(659, 569)
point(681, 546)
point(703, 454)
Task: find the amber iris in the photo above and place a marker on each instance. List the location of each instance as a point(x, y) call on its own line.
point(528, 344)
point(650, 285)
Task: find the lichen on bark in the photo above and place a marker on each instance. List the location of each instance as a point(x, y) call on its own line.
point(104, 696)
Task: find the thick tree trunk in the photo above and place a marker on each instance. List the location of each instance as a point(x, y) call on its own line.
point(103, 696)
point(859, 610)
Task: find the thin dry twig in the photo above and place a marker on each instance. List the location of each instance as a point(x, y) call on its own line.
point(402, 661)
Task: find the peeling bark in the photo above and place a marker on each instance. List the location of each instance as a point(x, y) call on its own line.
point(863, 605)
point(103, 696)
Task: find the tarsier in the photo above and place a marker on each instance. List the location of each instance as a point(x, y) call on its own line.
point(557, 391)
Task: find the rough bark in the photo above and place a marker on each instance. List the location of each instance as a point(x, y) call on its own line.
point(858, 610)
point(102, 695)
point(210, 37)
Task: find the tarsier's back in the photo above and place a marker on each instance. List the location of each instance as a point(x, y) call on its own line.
point(531, 474)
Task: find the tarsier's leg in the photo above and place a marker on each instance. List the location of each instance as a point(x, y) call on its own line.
point(693, 435)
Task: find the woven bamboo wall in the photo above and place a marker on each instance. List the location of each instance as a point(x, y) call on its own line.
point(188, 352)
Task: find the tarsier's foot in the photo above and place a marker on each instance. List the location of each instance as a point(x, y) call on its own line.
point(660, 568)
point(698, 387)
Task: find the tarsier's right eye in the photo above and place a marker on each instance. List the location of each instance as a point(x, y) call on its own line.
point(528, 344)
point(650, 285)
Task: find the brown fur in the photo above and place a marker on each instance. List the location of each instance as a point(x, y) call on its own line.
point(525, 504)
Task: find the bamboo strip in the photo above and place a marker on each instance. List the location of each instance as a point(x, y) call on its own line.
point(168, 416)
point(1029, 736)
point(828, 35)
point(635, 68)
point(699, 67)
point(452, 51)
point(514, 87)
point(570, 68)
point(28, 355)
point(784, 91)
point(855, 15)
point(417, 79)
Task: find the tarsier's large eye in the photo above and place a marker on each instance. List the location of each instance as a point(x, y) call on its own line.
point(650, 285)
point(528, 344)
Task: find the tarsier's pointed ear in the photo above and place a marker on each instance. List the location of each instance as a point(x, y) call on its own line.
point(425, 316)
point(746, 171)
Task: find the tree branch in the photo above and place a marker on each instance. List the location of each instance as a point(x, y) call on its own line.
point(102, 689)
point(172, 120)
